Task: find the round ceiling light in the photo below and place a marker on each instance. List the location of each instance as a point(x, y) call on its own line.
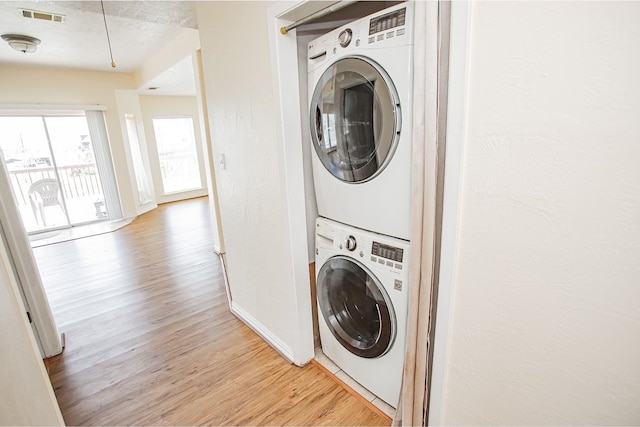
point(24, 44)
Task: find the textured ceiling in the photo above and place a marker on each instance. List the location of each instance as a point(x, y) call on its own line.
point(177, 13)
point(137, 30)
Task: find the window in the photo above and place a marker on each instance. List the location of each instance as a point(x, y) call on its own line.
point(177, 154)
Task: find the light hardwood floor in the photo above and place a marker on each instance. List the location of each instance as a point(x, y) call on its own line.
point(150, 339)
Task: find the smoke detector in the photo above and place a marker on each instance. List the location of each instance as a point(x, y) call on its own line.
point(21, 43)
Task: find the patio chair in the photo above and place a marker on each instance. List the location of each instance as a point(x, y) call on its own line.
point(42, 194)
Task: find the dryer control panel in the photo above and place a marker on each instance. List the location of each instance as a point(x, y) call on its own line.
point(388, 21)
point(387, 26)
point(390, 28)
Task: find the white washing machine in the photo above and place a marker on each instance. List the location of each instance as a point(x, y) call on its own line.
point(362, 287)
point(360, 90)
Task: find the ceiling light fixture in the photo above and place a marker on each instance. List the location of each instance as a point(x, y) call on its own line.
point(104, 16)
point(24, 44)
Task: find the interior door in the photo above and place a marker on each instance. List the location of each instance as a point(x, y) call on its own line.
point(355, 307)
point(355, 119)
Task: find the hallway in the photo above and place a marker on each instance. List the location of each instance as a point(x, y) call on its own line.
point(150, 339)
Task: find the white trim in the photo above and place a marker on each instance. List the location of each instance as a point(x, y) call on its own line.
point(223, 263)
point(284, 50)
point(279, 346)
point(456, 134)
point(12, 231)
point(54, 107)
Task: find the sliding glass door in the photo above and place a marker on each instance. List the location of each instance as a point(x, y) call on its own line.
point(52, 169)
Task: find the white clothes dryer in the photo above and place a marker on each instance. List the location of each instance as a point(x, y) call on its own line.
point(362, 291)
point(360, 90)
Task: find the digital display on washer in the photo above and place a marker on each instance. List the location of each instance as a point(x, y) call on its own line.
point(387, 21)
point(386, 251)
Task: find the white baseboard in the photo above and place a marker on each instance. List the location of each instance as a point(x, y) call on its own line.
point(284, 350)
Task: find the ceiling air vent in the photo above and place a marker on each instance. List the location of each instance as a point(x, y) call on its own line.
point(45, 16)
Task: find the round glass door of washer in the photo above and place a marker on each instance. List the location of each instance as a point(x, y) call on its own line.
point(355, 119)
point(355, 307)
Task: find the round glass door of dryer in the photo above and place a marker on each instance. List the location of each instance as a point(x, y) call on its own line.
point(355, 307)
point(355, 119)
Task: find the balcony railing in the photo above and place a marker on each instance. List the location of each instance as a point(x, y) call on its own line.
point(79, 184)
point(76, 181)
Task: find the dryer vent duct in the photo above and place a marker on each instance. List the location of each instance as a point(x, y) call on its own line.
point(44, 16)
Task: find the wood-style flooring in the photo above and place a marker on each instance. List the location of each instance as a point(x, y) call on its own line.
point(150, 339)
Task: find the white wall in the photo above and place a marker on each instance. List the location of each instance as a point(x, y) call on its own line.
point(208, 152)
point(26, 395)
point(184, 43)
point(171, 106)
point(240, 100)
point(545, 322)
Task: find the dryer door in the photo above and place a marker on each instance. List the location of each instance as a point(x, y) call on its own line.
point(356, 307)
point(355, 119)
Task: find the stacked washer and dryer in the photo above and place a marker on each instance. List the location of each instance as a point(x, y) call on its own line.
point(360, 90)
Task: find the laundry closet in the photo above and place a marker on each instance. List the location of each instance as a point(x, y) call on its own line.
point(356, 74)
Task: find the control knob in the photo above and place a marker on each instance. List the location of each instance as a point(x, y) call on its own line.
point(345, 37)
point(351, 243)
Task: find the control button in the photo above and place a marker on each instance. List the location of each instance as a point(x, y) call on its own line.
point(398, 266)
point(389, 264)
point(372, 39)
point(335, 49)
point(400, 32)
point(345, 37)
point(381, 261)
point(374, 259)
point(317, 251)
point(340, 245)
point(358, 42)
point(397, 285)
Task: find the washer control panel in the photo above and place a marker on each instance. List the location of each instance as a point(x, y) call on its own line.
point(385, 251)
point(390, 256)
point(374, 250)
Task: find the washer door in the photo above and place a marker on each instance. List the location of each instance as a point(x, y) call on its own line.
point(355, 119)
point(356, 307)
